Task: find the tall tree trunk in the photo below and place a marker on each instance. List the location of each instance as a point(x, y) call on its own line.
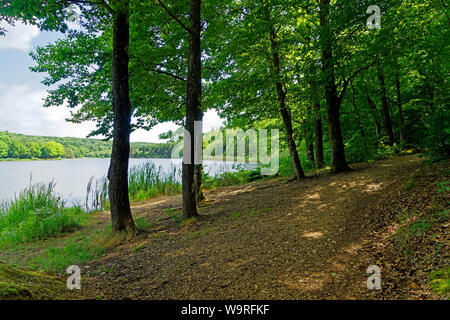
point(308, 136)
point(118, 171)
point(193, 95)
point(376, 118)
point(385, 107)
point(400, 109)
point(333, 100)
point(320, 163)
point(284, 112)
point(309, 146)
point(358, 118)
point(198, 169)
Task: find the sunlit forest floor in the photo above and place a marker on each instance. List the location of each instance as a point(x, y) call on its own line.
point(277, 239)
point(274, 239)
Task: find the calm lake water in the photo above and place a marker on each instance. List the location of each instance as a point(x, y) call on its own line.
point(72, 175)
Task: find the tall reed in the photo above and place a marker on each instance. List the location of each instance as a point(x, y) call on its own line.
point(37, 213)
point(145, 181)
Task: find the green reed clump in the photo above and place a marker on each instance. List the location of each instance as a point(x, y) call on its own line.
point(148, 181)
point(97, 194)
point(145, 181)
point(35, 214)
point(231, 178)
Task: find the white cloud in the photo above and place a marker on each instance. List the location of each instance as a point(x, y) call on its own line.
point(211, 121)
point(22, 111)
point(18, 37)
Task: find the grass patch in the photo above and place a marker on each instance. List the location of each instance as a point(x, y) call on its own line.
point(142, 223)
point(188, 222)
point(249, 213)
point(137, 247)
point(194, 234)
point(36, 214)
point(443, 186)
point(411, 183)
point(57, 259)
point(226, 179)
point(175, 215)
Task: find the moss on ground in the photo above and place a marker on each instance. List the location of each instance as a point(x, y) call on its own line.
point(440, 281)
point(21, 284)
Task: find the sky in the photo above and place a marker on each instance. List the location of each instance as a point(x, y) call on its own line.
point(22, 94)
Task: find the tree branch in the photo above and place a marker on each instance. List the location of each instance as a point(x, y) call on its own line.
point(174, 17)
point(168, 74)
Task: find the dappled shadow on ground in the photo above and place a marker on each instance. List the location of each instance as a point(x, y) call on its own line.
point(266, 240)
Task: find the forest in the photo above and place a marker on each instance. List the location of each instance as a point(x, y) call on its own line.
point(358, 91)
point(18, 146)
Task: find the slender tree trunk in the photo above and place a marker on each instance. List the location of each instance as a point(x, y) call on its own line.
point(376, 118)
point(284, 112)
point(385, 107)
point(333, 100)
point(193, 95)
point(308, 136)
point(320, 163)
point(118, 171)
point(358, 118)
point(309, 146)
point(400, 109)
point(198, 169)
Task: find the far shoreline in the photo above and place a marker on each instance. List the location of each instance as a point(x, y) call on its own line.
point(236, 159)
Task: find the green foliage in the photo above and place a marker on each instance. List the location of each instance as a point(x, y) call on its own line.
point(438, 134)
point(52, 150)
point(18, 146)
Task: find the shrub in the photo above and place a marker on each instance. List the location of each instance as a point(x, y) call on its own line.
point(438, 137)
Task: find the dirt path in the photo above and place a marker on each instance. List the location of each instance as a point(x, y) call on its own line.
point(266, 240)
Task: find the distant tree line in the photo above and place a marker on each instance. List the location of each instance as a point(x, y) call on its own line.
point(18, 146)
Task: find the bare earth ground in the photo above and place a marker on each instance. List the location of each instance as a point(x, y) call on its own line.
point(271, 239)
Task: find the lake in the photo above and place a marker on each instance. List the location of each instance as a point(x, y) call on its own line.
point(72, 175)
